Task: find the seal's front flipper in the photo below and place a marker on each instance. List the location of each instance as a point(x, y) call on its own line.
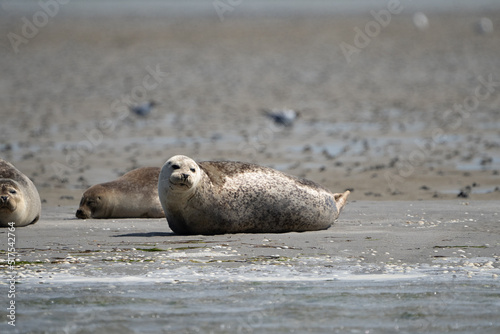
point(341, 199)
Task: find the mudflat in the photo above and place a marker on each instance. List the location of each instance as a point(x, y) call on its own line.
point(412, 115)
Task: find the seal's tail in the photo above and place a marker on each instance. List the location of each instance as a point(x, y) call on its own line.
point(341, 199)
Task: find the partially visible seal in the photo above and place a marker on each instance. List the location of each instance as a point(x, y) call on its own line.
point(133, 195)
point(233, 197)
point(19, 200)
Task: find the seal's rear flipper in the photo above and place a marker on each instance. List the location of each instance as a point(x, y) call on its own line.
point(341, 199)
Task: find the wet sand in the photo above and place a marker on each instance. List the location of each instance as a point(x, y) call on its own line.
point(424, 238)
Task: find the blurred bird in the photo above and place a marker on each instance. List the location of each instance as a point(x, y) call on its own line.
point(420, 21)
point(284, 117)
point(484, 26)
point(143, 109)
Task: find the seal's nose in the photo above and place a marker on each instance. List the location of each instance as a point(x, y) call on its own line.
point(184, 176)
point(80, 214)
point(4, 199)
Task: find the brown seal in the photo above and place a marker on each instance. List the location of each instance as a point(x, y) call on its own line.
point(19, 200)
point(133, 195)
point(234, 197)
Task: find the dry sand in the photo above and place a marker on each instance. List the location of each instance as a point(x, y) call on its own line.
point(387, 125)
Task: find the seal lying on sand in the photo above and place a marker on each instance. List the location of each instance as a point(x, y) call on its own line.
point(234, 197)
point(133, 195)
point(19, 199)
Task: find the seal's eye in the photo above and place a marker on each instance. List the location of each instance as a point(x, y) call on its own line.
point(193, 170)
point(13, 191)
point(175, 167)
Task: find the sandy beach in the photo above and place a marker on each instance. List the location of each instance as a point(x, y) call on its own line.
point(407, 120)
point(371, 237)
point(410, 267)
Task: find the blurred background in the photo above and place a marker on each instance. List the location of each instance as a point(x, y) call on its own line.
point(395, 100)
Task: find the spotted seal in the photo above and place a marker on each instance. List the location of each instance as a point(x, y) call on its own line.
point(233, 197)
point(19, 199)
point(133, 195)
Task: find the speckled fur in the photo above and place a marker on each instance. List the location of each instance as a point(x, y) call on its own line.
point(133, 195)
point(24, 206)
point(235, 197)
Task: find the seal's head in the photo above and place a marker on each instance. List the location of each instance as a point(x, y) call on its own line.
point(10, 195)
point(182, 173)
point(92, 204)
